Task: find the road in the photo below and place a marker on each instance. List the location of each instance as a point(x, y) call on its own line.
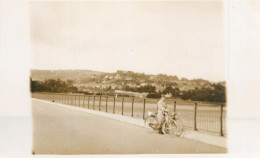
point(58, 130)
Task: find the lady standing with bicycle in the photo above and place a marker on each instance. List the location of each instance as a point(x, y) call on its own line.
point(161, 110)
point(166, 123)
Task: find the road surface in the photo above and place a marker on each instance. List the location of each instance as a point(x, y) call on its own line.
point(57, 130)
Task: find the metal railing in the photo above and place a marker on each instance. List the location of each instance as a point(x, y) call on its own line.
point(209, 118)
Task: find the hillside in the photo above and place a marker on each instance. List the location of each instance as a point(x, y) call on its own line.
point(88, 80)
point(75, 75)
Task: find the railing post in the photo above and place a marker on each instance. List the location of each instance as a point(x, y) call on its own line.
point(79, 100)
point(71, 100)
point(88, 101)
point(106, 103)
point(144, 110)
point(133, 107)
point(114, 105)
point(94, 103)
point(221, 120)
point(84, 101)
point(99, 103)
point(123, 106)
point(174, 106)
point(195, 117)
point(75, 100)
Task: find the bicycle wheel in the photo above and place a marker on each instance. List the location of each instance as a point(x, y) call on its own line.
point(180, 126)
point(150, 124)
point(170, 128)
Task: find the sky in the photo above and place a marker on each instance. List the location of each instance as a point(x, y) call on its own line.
point(172, 37)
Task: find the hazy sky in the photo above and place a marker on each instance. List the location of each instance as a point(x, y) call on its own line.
point(175, 38)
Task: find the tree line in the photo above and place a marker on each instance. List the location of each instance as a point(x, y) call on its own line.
point(215, 94)
point(51, 85)
point(147, 89)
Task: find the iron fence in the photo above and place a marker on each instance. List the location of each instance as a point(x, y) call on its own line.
point(199, 117)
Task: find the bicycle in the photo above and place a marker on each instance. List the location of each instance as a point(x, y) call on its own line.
point(170, 125)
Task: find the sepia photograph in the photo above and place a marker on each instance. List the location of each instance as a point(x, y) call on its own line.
point(91, 78)
point(128, 77)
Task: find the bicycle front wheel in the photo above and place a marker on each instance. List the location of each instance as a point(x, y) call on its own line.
point(180, 126)
point(170, 128)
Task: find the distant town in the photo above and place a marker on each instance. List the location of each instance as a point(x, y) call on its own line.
point(132, 83)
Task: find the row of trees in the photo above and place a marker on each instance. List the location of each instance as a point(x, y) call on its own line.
point(52, 85)
point(217, 94)
point(147, 89)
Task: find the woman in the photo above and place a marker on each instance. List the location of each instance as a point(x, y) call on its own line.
point(161, 108)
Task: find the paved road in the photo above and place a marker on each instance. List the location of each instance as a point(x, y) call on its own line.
point(58, 130)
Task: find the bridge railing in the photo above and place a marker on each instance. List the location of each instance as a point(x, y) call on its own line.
point(209, 118)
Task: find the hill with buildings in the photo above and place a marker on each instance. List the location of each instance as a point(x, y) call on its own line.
point(129, 81)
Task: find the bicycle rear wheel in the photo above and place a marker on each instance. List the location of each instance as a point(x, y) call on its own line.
point(150, 124)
